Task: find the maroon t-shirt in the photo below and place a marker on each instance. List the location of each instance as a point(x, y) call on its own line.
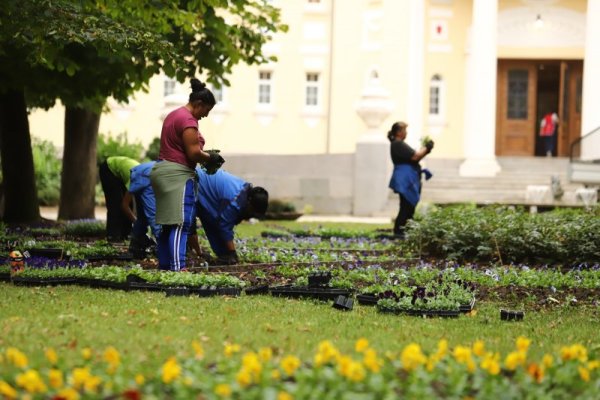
point(171, 141)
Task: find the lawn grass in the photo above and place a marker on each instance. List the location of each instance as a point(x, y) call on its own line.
point(147, 328)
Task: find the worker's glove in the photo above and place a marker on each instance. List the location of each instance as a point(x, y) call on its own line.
point(429, 145)
point(214, 163)
point(229, 258)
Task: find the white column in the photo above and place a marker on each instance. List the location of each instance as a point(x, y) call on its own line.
point(372, 160)
point(416, 66)
point(591, 79)
point(480, 92)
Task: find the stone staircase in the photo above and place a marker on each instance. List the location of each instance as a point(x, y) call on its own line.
point(509, 186)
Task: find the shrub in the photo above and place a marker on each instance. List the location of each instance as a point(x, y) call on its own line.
point(277, 206)
point(109, 146)
point(48, 168)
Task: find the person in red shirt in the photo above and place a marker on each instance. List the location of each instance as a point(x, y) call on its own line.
point(174, 178)
point(548, 127)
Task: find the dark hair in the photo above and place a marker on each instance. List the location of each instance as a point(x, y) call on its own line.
point(201, 93)
point(259, 198)
point(397, 126)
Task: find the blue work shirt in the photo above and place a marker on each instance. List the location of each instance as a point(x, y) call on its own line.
point(222, 198)
point(141, 187)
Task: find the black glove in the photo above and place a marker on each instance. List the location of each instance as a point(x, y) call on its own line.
point(229, 258)
point(214, 163)
point(429, 145)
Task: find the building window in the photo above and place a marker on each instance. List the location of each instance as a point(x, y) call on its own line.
point(518, 82)
point(264, 87)
point(217, 91)
point(312, 90)
point(435, 96)
point(169, 87)
point(314, 1)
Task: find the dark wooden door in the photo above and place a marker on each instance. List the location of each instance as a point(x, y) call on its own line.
point(516, 102)
point(569, 128)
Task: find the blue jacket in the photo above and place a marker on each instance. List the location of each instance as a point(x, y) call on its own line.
point(406, 180)
point(141, 187)
point(222, 198)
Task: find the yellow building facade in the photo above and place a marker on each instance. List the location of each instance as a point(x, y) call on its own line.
point(475, 75)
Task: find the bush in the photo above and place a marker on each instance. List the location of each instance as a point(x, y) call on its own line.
point(278, 206)
point(48, 168)
point(109, 146)
point(468, 233)
point(153, 150)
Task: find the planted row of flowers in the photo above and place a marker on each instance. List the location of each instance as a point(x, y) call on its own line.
point(464, 371)
point(130, 278)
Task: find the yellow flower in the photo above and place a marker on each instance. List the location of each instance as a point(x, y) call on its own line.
point(284, 396)
point(265, 353)
point(584, 373)
point(361, 345)
point(31, 382)
point(86, 353)
point(68, 394)
point(188, 381)
point(198, 350)
point(490, 363)
point(442, 349)
point(592, 365)
point(326, 353)
point(371, 361)
point(55, 378)
point(139, 379)
point(462, 354)
point(91, 384)
point(514, 359)
point(356, 372)
point(7, 391)
point(574, 352)
point(170, 370)
point(79, 376)
point(536, 372)
point(223, 390)
point(231, 349)
point(251, 362)
point(479, 348)
point(412, 357)
point(51, 356)
point(244, 377)
point(275, 375)
point(547, 360)
point(523, 343)
point(17, 358)
point(290, 364)
point(112, 357)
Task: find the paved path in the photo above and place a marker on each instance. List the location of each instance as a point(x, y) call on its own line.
point(100, 213)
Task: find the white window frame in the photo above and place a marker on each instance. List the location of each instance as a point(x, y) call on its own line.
point(437, 98)
point(312, 90)
point(265, 88)
point(169, 87)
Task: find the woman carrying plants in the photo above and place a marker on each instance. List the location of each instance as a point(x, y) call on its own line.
point(174, 176)
point(406, 179)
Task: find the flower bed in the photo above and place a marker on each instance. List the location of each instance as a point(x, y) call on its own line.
point(464, 371)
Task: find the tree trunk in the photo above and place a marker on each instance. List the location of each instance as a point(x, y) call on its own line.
point(20, 194)
point(79, 171)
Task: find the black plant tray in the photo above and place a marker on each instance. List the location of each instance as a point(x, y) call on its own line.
point(260, 289)
point(110, 257)
point(387, 310)
point(104, 284)
point(5, 277)
point(26, 281)
point(177, 291)
point(367, 299)
point(50, 253)
point(435, 313)
point(315, 293)
point(206, 291)
point(465, 308)
point(150, 287)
